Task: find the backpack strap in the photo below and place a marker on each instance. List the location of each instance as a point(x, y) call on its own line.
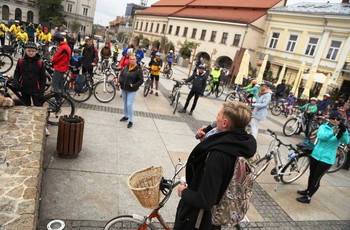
point(21, 61)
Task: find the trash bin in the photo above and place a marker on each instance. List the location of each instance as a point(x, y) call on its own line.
point(70, 136)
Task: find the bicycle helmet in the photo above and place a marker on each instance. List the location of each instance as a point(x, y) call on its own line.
point(291, 92)
point(58, 37)
point(254, 82)
point(76, 51)
point(201, 66)
point(31, 45)
point(313, 99)
point(171, 51)
point(158, 54)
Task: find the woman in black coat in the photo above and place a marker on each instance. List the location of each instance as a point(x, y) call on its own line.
point(130, 80)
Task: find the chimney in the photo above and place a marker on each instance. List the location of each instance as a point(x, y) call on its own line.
point(345, 1)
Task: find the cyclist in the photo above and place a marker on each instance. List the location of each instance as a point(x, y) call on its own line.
point(45, 37)
point(289, 103)
point(323, 106)
point(340, 102)
point(250, 86)
point(75, 65)
point(215, 76)
point(115, 52)
point(22, 35)
point(90, 56)
point(106, 53)
point(253, 90)
point(139, 55)
point(309, 111)
point(14, 29)
point(155, 65)
point(170, 58)
point(280, 89)
point(3, 30)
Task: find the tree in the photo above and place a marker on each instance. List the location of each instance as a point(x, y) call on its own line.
point(187, 48)
point(75, 26)
point(51, 11)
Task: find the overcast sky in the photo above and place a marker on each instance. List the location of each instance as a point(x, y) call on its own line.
point(107, 10)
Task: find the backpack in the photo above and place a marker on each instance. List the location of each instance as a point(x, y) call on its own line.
point(235, 202)
point(80, 84)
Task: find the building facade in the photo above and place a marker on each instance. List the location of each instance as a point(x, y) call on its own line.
point(81, 11)
point(316, 33)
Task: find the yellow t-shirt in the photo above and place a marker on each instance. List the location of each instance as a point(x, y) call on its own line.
point(14, 29)
point(22, 36)
point(45, 37)
point(3, 29)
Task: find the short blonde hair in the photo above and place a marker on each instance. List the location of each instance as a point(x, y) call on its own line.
point(238, 113)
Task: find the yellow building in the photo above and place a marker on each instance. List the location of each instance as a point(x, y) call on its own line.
point(317, 33)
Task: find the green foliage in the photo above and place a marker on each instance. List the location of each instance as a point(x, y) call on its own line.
point(51, 11)
point(145, 42)
point(120, 36)
point(186, 48)
point(75, 26)
point(155, 43)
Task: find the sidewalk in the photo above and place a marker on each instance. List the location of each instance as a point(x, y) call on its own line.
point(88, 191)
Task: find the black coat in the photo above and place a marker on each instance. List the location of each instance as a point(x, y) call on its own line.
point(199, 82)
point(30, 78)
point(90, 56)
point(133, 77)
point(208, 175)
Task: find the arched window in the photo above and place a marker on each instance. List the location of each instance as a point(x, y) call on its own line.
point(5, 12)
point(18, 14)
point(30, 16)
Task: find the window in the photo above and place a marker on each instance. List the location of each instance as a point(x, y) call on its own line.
point(177, 30)
point(5, 12)
point(82, 28)
point(333, 50)
point(141, 25)
point(170, 29)
point(146, 26)
point(69, 8)
point(163, 30)
point(311, 47)
point(224, 37)
point(236, 40)
point(194, 32)
point(274, 40)
point(203, 34)
point(30, 16)
point(157, 29)
point(85, 11)
point(185, 32)
point(291, 43)
point(213, 36)
point(137, 25)
point(150, 30)
point(18, 14)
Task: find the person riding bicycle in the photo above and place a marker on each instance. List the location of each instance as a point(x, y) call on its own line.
point(310, 110)
point(22, 35)
point(253, 92)
point(3, 30)
point(215, 76)
point(45, 37)
point(322, 108)
point(250, 86)
point(290, 101)
point(170, 58)
point(139, 55)
point(14, 29)
point(115, 52)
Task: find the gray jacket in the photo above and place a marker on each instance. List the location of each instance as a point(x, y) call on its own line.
point(260, 107)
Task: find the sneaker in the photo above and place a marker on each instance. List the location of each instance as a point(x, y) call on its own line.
point(157, 94)
point(124, 119)
point(151, 92)
point(302, 192)
point(182, 111)
point(190, 113)
point(130, 124)
point(304, 199)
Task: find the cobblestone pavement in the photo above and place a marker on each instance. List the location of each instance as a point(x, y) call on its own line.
point(274, 216)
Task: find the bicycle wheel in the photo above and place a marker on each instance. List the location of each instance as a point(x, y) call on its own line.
point(54, 110)
point(126, 222)
point(207, 90)
point(6, 63)
point(169, 74)
point(340, 160)
point(146, 88)
point(112, 78)
point(104, 91)
point(176, 100)
point(18, 53)
point(219, 92)
point(145, 72)
point(233, 96)
point(78, 97)
point(295, 168)
point(313, 136)
point(276, 110)
point(99, 68)
point(290, 127)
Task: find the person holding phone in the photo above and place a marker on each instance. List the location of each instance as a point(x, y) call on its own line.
point(323, 155)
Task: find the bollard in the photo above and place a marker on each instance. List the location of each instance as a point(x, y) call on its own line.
point(70, 136)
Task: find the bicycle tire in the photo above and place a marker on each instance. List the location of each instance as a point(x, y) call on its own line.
point(18, 53)
point(298, 165)
point(146, 88)
point(291, 127)
point(176, 99)
point(78, 97)
point(126, 222)
point(207, 90)
point(169, 74)
point(276, 110)
point(99, 68)
point(219, 92)
point(233, 96)
point(54, 110)
point(340, 160)
point(6, 63)
point(145, 72)
point(260, 166)
point(104, 91)
point(112, 78)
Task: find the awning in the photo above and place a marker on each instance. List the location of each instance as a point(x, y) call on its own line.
point(318, 77)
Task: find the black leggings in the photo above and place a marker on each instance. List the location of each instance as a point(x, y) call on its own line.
point(317, 171)
point(189, 97)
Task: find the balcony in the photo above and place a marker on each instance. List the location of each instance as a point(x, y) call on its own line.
point(346, 67)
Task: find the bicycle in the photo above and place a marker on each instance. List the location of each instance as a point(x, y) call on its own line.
point(298, 125)
point(276, 110)
point(135, 221)
point(54, 109)
point(6, 61)
point(147, 86)
point(286, 172)
point(19, 50)
point(211, 88)
point(145, 70)
point(167, 72)
point(175, 94)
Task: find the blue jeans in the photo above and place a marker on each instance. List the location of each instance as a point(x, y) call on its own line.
point(128, 100)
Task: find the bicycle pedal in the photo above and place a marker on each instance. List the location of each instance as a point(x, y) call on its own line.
point(273, 171)
point(277, 178)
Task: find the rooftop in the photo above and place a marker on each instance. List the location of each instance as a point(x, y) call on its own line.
point(316, 8)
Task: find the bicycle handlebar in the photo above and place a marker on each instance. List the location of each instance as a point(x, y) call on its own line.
point(289, 146)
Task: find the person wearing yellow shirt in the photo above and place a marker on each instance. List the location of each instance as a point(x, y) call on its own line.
point(3, 30)
point(45, 37)
point(22, 35)
point(38, 31)
point(14, 29)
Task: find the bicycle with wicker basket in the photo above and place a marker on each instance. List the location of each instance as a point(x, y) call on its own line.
point(147, 184)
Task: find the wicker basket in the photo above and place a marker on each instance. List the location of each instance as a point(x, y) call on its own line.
point(145, 185)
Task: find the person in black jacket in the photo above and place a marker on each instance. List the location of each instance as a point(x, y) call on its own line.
point(90, 56)
point(71, 41)
point(280, 90)
point(198, 86)
point(130, 80)
point(29, 76)
point(210, 165)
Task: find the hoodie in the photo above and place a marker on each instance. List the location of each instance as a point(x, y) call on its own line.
point(209, 170)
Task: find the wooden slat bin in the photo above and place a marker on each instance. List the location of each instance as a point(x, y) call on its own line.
point(70, 136)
